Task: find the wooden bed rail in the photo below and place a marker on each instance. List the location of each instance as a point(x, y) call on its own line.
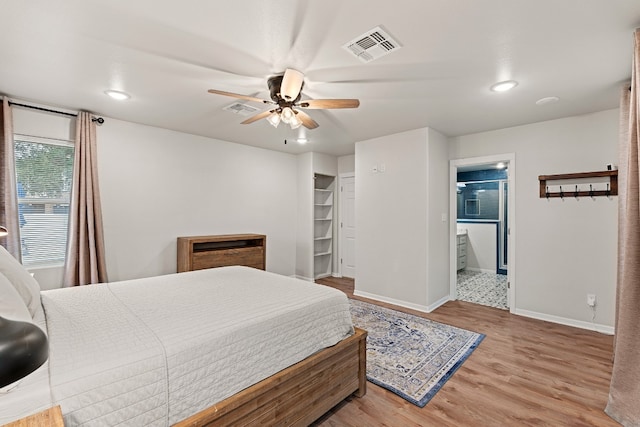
point(297, 395)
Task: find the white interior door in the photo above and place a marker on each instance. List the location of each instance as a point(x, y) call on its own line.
point(348, 226)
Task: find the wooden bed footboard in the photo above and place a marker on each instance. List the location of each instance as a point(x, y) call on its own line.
point(298, 395)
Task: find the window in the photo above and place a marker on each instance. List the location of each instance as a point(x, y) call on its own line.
point(44, 171)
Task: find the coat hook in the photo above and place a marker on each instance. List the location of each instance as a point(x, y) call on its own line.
point(561, 193)
point(575, 193)
point(591, 191)
point(608, 191)
point(547, 192)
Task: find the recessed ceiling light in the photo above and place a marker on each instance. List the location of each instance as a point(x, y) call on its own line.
point(547, 100)
point(116, 94)
point(504, 86)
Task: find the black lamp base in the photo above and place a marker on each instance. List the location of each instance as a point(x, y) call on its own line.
point(23, 349)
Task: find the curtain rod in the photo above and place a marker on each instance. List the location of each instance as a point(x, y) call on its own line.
point(100, 120)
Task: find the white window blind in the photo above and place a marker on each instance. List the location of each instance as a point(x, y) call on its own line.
point(44, 171)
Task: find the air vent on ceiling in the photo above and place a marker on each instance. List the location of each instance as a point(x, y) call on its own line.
point(242, 109)
point(372, 45)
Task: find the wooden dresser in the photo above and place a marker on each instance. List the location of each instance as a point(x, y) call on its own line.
point(199, 252)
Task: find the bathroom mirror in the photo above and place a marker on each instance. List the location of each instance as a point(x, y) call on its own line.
point(472, 207)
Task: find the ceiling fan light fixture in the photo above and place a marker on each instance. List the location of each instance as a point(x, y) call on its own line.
point(295, 122)
point(285, 91)
point(287, 114)
point(274, 119)
point(291, 84)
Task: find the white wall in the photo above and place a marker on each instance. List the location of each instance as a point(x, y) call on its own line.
point(564, 249)
point(42, 124)
point(481, 246)
point(347, 164)
point(398, 211)
point(438, 217)
point(304, 234)
point(325, 164)
point(158, 184)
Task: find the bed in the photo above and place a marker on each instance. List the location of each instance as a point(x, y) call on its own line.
point(225, 346)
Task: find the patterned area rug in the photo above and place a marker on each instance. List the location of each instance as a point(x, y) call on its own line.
point(408, 355)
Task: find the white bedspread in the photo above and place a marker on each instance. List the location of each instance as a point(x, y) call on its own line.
point(155, 351)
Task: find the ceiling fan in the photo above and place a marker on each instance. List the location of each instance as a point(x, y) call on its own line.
point(286, 91)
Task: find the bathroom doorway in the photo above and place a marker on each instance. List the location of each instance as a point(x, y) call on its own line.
point(482, 231)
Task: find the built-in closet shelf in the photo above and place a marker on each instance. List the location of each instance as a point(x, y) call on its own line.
point(323, 202)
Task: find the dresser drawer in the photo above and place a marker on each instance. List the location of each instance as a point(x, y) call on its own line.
point(251, 257)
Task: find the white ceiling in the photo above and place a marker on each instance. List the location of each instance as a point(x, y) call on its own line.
point(167, 54)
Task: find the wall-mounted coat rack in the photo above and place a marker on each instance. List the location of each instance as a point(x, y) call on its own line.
point(571, 191)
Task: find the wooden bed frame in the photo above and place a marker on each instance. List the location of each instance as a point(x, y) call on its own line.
point(297, 395)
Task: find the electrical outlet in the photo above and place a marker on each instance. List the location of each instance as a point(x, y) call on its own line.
point(591, 300)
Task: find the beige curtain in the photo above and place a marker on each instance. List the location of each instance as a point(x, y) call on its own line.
point(8, 191)
point(85, 263)
point(624, 393)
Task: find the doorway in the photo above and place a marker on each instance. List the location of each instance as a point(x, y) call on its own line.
point(487, 221)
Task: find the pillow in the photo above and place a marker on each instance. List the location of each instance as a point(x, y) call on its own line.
point(21, 280)
point(11, 304)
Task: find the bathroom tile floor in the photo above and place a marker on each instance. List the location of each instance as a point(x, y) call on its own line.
point(483, 288)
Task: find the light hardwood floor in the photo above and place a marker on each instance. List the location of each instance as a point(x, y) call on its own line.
point(525, 372)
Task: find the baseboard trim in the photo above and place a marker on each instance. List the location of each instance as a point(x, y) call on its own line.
point(393, 301)
point(603, 329)
point(438, 303)
point(307, 279)
point(481, 270)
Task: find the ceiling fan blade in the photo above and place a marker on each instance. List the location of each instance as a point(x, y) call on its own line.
point(316, 104)
point(291, 84)
point(306, 120)
point(237, 95)
point(257, 117)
